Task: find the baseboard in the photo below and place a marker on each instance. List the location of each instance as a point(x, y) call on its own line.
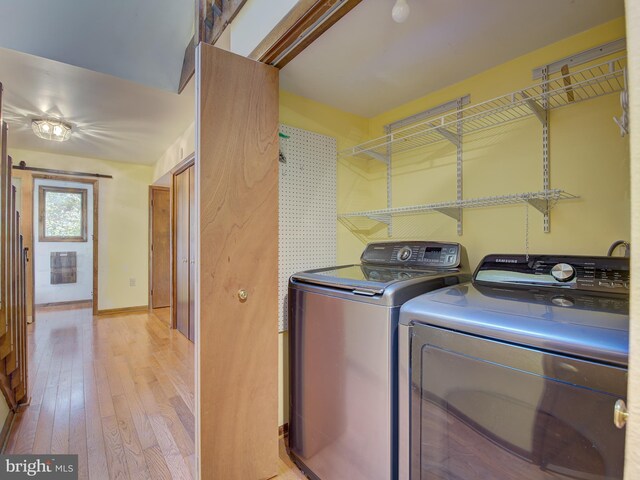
point(118, 311)
point(6, 430)
point(65, 304)
point(283, 430)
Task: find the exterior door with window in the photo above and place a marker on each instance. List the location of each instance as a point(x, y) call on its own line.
point(63, 243)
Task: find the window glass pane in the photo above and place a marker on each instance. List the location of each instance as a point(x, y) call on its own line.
point(63, 214)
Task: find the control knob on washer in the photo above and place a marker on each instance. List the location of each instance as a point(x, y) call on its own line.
point(404, 254)
point(563, 272)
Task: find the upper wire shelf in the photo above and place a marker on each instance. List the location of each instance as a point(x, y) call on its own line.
point(563, 90)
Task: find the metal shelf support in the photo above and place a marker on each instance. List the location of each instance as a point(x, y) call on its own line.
point(541, 205)
point(386, 219)
point(376, 156)
point(546, 182)
point(535, 107)
point(459, 133)
point(387, 130)
point(448, 135)
point(453, 212)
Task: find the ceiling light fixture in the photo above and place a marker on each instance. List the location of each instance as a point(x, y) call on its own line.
point(51, 129)
point(400, 11)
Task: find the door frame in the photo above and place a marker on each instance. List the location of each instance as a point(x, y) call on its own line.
point(150, 295)
point(177, 170)
point(95, 185)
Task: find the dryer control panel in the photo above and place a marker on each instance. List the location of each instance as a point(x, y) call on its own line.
point(590, 274)
point(431, 255)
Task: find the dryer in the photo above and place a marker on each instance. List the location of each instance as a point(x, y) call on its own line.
point(520, 374)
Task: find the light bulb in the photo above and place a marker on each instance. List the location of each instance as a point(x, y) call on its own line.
point(400, 11)
point(57, 130)
point(45, 127)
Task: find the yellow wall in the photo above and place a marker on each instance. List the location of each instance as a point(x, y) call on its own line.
point(632, 457)
point(122, 227)
point(588, 158)
point(353, 183)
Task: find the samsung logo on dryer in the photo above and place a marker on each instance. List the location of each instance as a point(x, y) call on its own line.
point(506, 260)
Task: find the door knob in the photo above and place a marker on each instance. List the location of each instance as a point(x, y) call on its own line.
point(620, 414)
point(243, 295)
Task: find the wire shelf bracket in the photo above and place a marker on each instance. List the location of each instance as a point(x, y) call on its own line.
point(535, 107)
point(386, 219)
point(541, 205)
point(377, 156)
point(448, 135)
point(453, 212)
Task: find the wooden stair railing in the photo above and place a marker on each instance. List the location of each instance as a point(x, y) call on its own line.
point(13, 311)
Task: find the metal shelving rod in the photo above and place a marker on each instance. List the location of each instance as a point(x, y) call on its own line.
point(543, 201)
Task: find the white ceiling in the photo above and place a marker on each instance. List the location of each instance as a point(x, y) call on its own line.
point(138, 40)
point(112, 119)
point(367, 64)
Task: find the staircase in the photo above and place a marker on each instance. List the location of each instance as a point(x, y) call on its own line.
point(13, 261)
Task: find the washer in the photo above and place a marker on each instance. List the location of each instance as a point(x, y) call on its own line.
point(343, 355)
point(520, 374)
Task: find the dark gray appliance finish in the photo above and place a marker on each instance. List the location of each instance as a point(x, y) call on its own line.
point(343, 355)
point(518, 374)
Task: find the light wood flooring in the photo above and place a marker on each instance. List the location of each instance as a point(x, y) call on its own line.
point(116, 390)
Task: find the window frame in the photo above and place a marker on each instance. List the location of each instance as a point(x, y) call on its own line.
point(42, 191)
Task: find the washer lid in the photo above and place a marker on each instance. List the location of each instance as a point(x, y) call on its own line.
point(588, 326)
point(361, 279)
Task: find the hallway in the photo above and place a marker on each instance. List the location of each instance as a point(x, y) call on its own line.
point(117, 390)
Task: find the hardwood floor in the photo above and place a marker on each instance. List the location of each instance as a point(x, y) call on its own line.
point(116, 390)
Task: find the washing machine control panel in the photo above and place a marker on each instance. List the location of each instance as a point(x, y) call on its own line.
point(414, 254)
point(589, 274)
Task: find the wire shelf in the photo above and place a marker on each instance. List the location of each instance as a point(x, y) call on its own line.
point(542, 201)
point(563, 90)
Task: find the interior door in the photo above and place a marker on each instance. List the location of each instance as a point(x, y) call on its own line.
point(182, 251)
point(160, 248)
point(237, 277)
point(192, 252)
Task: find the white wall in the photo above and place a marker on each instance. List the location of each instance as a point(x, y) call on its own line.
point(180, 149)
point(123, 218)
point(45, 292)
point(255, 21)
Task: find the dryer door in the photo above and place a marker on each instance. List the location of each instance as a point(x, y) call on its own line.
point(484, 409)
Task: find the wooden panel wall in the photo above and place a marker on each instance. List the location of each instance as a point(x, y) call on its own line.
point(237, 192)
